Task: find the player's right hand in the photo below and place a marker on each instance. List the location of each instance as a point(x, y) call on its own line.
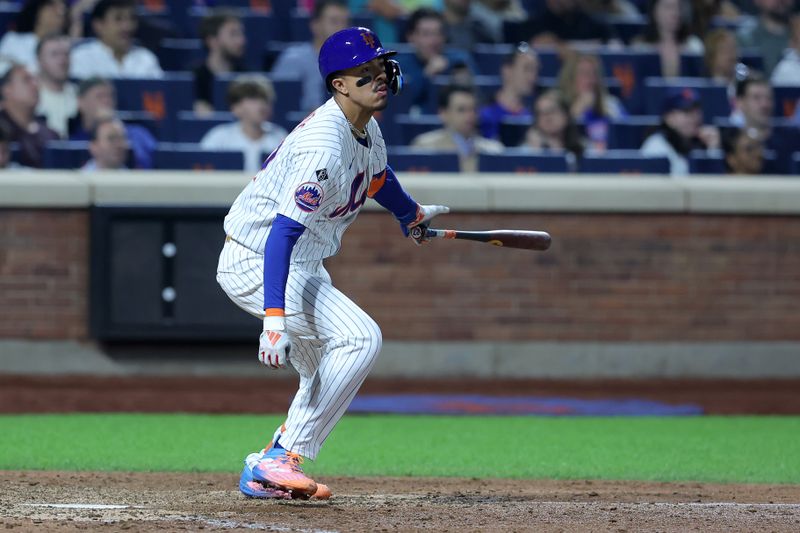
point(425, 214)
point(274, 348)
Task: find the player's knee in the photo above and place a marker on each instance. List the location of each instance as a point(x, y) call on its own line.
point(370, 339)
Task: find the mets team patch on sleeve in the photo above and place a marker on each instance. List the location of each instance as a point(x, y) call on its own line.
point(308, 196)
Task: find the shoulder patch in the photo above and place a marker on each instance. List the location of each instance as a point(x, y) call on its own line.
point(308, 196)
point(322, 174)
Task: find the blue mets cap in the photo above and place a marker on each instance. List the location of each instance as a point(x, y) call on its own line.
point(348, 48)
point(683, 98)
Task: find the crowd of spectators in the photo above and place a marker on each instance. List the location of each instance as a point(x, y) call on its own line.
point(482, 77)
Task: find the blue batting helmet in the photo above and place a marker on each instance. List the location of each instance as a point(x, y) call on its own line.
point(348, 48)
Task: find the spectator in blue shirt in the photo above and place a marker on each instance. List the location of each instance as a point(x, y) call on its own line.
point(426, 35)
point(96, 98)
point(519, 73)
point(299, 61)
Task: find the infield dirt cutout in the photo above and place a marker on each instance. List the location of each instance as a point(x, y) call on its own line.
point(34, 500)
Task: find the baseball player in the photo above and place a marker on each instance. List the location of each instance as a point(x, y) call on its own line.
point(288, 219)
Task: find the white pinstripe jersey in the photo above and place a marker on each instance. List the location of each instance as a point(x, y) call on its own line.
point(318, 176)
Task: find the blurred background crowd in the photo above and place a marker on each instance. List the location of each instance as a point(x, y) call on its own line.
point(677, 87)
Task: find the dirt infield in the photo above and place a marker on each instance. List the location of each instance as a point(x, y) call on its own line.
point(193, 502)
point(29, 501)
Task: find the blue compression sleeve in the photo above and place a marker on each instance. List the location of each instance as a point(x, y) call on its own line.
point(390, 194)
point(277, 253)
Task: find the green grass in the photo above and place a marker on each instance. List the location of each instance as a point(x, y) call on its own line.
point(724, 449)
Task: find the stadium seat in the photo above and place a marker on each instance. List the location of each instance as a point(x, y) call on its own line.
point(413, 125)
point(523, 161)
point(162, 99)
point(190, 128)
point(629, 133)
point(159, 129)
point(189, 156)
point(298, 29)
point(489, 57)
point(485, 86)
point(786, 98)
point(623, 162)
point(66, 154)
point(8, 16)
point(693, 65)
point(180, 54)
point(630, 68)
point(273, 50)
point(627, 27)
point(287, 93)
point(258, 26)
point(713, 96)
point(702, 163)
point(290, 120)
point(513, 130)
point(410, 159)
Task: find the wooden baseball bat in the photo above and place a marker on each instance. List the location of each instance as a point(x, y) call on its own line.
point(510, 238)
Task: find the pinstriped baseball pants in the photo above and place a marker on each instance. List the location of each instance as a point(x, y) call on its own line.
point(334, 342)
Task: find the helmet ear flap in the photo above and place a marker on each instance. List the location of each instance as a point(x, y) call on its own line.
point(394, 75)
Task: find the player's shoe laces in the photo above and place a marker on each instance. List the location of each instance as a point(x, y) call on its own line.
point(281, 469)
point(323, 491)
point(256, 489)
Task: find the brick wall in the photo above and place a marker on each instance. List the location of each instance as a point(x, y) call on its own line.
point(43, 273)
point(605, 278)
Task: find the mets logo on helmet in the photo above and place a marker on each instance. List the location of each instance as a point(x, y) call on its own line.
point(368, 38)
point(308, 196)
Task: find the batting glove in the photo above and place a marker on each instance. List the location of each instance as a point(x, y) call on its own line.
point(425, 214)
point(274, 343)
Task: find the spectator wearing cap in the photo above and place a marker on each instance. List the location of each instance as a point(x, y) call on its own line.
point(113, 54)
point(20, 96)
point(109, 145)
point(681, 131)
point(519, 74)
point(787, 71)
point(97, 99)
point(458, 110)
point(251, 99)
point(58, 97)
point(223, 36)
point(744, 151)
point(35, 20)
point(300, 61)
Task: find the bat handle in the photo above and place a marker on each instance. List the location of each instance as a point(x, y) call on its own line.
point(419, 232)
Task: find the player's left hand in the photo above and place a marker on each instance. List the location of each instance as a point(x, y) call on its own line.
point(274, 344)
point(273, 348)
point(425, 213)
